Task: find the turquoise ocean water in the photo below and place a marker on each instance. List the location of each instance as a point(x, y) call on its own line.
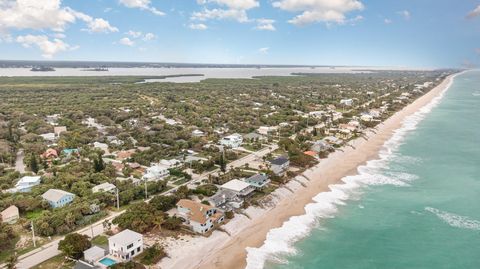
point(418, 206)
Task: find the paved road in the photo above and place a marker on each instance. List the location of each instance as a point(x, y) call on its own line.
point(19, 166)
point(50, 250)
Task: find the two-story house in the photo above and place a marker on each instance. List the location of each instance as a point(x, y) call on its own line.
point(125, 245)
point(201, 218)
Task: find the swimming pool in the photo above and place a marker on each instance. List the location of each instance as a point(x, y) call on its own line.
point(107, 261)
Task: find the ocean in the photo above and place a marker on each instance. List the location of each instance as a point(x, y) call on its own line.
point(417, 206)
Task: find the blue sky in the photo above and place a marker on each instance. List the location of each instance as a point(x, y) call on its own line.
point(415, 33)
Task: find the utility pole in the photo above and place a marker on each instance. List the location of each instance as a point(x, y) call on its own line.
point(33, 236)
point(118, 201)
point(146, 190)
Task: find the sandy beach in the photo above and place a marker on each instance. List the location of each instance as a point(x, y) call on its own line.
point(222, 250)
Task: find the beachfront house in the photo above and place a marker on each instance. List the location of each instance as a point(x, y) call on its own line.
point(125, 245)
point(10, 215)
point(25, 184)
point(104, 187)
point(279, 165)
point(225, 199)
point(232, 141)
point(320, 146)
point(201, 218)
point(240, 188)
point(156, 172)
point(58, 198)
point(258, 181)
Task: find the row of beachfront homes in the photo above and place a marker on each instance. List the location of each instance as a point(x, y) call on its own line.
point(122, 247)
point(202, 218)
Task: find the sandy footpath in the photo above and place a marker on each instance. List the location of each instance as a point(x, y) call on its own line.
point(222, 250)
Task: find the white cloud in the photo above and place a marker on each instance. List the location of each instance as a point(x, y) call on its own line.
point(198, 26)
point(148, 37)
point(474, 13)
point(264, 50)
point(313, 11)
point(44, 15)
point(134, 34)
point(405, 14)
point(48, 47)
point(477, 50)
point(265, 24)
point(220, 14)
point(126, 41)
point(141, 4)
point(100, 26)
point(233, 4)
point(387, 21)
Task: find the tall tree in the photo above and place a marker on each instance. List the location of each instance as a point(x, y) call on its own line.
point(74, 244)
point(33, 163)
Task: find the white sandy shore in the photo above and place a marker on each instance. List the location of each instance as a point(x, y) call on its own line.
point(222, 250)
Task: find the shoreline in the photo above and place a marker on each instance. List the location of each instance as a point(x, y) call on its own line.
point(225, 251)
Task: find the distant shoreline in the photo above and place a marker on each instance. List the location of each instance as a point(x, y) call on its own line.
point(232, 253)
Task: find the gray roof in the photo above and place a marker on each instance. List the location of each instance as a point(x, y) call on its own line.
point(222, 196)
point(55, 195)
point(258, 178)
point(124, 237)
point(94, 251)
point(279, 161)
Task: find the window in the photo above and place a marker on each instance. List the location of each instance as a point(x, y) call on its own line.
point(129, 246)
point(138, 249)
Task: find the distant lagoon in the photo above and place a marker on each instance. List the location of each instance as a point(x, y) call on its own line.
point(206, 72)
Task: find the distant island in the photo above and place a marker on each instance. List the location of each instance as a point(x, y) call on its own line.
point(42, 69)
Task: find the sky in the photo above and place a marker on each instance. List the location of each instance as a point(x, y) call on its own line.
point(400, 33)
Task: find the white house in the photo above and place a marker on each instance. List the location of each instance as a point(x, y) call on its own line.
point(93, 254)
point(156, 172)
point(10, 215)
point(58, 198)
point(201, 218)
point(366, 117)
point(232, 141)
point(25, 184)
point(239, 187)
point(198, 133)
point(279, 165)
point(104, 187)
point(48, 137)
point(346, 102)
point(225, 197)
point(101, 146)
point(125, 245)
point(173, 163)
point(265, 130)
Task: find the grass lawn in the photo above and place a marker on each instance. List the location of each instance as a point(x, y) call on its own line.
point(57, 262)
point(32, 215)
point(100, 240)
point(180, 181)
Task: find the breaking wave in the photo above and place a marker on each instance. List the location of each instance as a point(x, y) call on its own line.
point(280, 241)
point(455, 220)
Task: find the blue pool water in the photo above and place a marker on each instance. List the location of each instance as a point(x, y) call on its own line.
point(107, 261)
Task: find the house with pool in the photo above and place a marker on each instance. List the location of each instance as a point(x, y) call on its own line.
point(125, 245)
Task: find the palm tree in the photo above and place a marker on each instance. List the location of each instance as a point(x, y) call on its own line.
point(12, 261)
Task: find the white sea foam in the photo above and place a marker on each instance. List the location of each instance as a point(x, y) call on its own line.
point(455, 220)
point(279, 241)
